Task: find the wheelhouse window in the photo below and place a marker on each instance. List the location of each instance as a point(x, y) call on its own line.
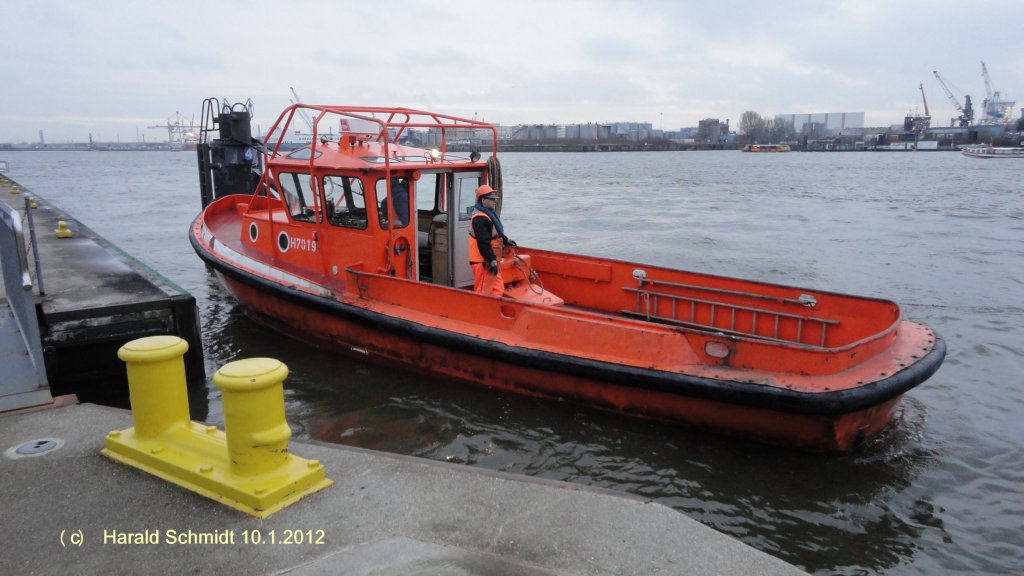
point(399, 201)
point(296, 188)
point(345, 204)
point(429, 197)
point(467, 196)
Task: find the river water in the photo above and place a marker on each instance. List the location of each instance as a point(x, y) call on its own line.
point(943, 235)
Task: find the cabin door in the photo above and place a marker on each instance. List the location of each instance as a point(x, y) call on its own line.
point(461, 199)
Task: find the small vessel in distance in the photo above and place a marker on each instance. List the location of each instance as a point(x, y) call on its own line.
point(316, 244)
point(985, 151)
point(766, 148)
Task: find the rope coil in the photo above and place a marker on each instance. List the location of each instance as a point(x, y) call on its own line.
point(531, 275)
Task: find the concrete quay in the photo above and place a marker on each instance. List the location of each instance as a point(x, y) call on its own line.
point(71, 509)
point(95, 297)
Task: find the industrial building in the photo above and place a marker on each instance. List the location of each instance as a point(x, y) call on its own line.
point(822, 122)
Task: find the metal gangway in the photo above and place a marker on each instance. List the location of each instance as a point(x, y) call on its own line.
point(23, 380)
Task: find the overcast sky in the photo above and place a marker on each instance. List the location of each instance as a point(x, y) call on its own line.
point(113, 68)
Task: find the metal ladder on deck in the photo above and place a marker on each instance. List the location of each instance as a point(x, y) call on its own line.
point(687, 311)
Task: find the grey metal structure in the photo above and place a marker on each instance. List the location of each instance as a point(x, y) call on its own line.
point(23, 380)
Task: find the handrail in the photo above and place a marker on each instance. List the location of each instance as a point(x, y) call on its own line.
point(18, 287)
point(804, 299)
point(411, 118)
point(395, 118)
point(34, 244)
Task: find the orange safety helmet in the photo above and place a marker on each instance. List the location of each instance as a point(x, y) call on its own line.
point(486, 191)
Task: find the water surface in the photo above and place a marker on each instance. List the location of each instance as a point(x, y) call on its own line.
point(942, 235)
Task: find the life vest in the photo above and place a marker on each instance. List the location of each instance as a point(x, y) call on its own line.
point(474, 251)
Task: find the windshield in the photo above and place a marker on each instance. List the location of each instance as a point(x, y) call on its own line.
point(345, 201)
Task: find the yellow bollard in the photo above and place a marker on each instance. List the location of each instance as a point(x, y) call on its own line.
point(156, 371)
point(62, 230)
point(253, 395)
point(247, 467)
point(14, 190)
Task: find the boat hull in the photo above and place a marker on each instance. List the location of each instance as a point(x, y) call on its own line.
point(317, 244)
point(837, 421)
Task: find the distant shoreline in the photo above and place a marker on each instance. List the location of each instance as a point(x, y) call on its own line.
point(502, 147)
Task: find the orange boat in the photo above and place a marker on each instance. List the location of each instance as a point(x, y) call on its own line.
point(766, 148)
point(303, 241)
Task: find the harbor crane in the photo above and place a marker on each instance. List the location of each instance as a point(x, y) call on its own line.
point(302, 111)
point(988, 85)
point(915, 122)
point(178, 132)
point(306, 118)
point(966, 111)
point(996, 109)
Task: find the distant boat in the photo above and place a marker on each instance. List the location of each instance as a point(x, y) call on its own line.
point(766, 148)
point(993, 151)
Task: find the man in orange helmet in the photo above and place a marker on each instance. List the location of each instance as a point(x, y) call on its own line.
point(487, 240)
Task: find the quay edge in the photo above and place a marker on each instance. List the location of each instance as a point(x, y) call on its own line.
point(96, 297)
point(386, 514)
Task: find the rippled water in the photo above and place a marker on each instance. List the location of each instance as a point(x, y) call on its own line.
point(943, 235)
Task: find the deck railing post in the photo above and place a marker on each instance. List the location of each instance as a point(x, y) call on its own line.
point(34, 245)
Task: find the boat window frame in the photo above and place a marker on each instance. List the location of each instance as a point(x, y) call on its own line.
point(381, 196)
point(431, 199)
point(465, 211)
point(294, 199)
point(354, 216)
